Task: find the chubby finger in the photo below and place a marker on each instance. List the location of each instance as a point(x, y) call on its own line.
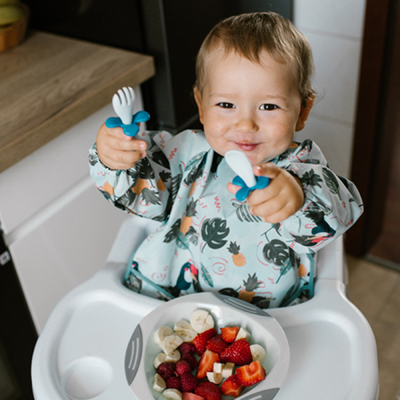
point(278, 216)
point(116, 139)
point(270, 170)
point(232, 188)
point(273, 211)
point(117, 159)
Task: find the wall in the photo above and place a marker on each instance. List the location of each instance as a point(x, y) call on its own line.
point(334, 29)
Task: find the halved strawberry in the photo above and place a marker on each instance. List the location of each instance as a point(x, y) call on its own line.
point(191, 396)
point(238, 352)
point(229, 333)
point(232, 386)
point(208, 390)
point(207, 361)
point(217, 344)
point(251, 374)
point(200, 341)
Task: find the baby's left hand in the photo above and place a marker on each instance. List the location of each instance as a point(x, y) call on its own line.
point(282, 198)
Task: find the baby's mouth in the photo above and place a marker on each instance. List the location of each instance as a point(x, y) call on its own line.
point(247, 146)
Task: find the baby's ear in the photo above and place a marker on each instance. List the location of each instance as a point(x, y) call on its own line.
point(304, 112)
point(197, 97)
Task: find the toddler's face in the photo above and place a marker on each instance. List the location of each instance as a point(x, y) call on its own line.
point(248, 106)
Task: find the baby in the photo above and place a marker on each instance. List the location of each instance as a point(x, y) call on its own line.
point(253, 93)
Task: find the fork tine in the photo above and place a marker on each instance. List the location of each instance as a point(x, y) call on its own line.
point(122, 97)
point(116, 100)
point(127, 95)
point(132, 94)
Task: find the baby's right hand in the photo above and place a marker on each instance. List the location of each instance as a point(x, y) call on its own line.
point(117, 150)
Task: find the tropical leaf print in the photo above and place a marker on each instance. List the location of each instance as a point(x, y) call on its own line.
point(276, 251)
point(127, 199)
point(214, 231)
point(182, 241)
point(243, 213)
point(192, 236)
point(176, 182)
point(194, 173)
point(145, 169)
point(93, 159)
point(331, 181)
point(159, 158)
point(195, 160)
point(172, 234)
point(164, 177)
point(206, 276)
point(310, 178)
point(284, 269)
point(317, 215)
point(150, 197)
point(133, 173)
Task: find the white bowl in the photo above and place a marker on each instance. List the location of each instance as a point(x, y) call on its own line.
point(264, 329)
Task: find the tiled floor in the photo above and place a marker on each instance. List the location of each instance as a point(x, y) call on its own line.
point(375, 290)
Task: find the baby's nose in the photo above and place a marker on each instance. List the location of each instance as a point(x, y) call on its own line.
point(246, 124)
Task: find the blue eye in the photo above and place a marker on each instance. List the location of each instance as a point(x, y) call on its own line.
point(226, 105)
point(268, 107)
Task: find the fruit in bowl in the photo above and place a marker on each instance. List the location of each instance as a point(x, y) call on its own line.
point(199, 360)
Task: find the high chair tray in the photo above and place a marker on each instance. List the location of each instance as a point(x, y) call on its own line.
point(326, 349)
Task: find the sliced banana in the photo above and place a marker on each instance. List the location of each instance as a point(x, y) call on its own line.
point(175, 356)
point(161, 333)
point(201, 320)
point(183, 325)
point(258, 353)
point(243, 334)
point(161, 357)
point(158, 383)
point(214, 377)
point(172, 394)
point(171, 343)
point(227, 369)
point(186, 336)
point(217, 368)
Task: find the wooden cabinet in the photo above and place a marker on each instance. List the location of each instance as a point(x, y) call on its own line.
point(57, 225)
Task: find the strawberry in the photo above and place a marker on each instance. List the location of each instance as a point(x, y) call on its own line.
point(251, 374)
point(188, 382)
point(208, 390)
point(238, 353)
point(216, 344)
point(229, 333)
point(187, 348)
point(182, 366)
point(232, 386)
point(200, 341)
point(191, 396)
point(173, 382)
point(207, 363)
point(166, 369)
point(189, 358)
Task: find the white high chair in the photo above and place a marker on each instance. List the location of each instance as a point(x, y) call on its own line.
point(80, 353)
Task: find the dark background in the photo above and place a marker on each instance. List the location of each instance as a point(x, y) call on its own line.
point(170, 30)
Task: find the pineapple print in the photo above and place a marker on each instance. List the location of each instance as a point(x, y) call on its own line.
point(108, 188)
point(238, 258)
point(250, 286)
point(302, 271)
point(140, 185)
point(163, 177)
point(187, 220)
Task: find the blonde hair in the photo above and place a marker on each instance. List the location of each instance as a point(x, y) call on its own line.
point(249, 34)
